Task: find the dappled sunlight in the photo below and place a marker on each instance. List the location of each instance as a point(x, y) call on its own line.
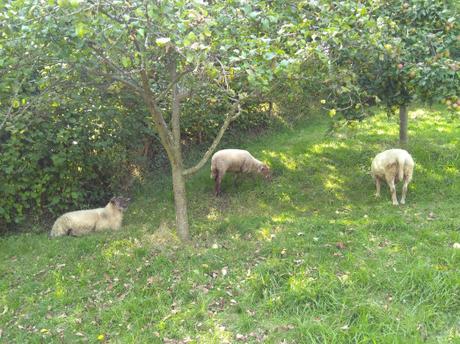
point(268, 232)
point(284, 197)
point(213, 214)
point(265, 234)
point(418, 113)
point(334, 184)
point(385, 129)
point(301, 282)
point(288, 162)
point(452, 170)
point(59, 285)
point(164, 235)
point(218, 333)
point(444, 130)
point(429, 172)
point(120, 248)
point(283, 218)
point(322, 147)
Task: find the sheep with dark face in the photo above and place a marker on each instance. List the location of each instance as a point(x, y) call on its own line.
point(81, 222)
point(393, 166)
point(237, 161)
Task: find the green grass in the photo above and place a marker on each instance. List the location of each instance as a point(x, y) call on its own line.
point(311, 257)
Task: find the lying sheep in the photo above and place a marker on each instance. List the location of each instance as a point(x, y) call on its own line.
point(81, 222)
point(393, 165)
point(235, 160)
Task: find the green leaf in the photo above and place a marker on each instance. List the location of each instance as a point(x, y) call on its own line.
point(269, 56)
point(74, 3)
point(189, 39)
point(63, 3)
point(125, 61)
point(81, 29)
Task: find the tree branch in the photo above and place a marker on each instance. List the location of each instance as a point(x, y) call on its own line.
point(160, 124)
point(115, 77)
point(234, 114)
point(171, 85)
point(175, 106)
point(184, 95)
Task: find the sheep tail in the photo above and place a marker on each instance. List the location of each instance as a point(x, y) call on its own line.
point(401, 162)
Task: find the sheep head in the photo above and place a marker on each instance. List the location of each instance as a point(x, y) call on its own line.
point(120, 202)
point(265, 171)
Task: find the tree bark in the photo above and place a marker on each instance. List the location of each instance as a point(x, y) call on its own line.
point(180, 195)
point(180, 201)
point(403, 119)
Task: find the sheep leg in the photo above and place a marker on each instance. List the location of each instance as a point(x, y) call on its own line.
point(377, 186)
point(404, 191)
point(218, 181)
point(236, 178)
point(72, 233)
point(391, 184)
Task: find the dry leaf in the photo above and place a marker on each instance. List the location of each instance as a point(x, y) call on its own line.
point(340, 245)
point(240, 336)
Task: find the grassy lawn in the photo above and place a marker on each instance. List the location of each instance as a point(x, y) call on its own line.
point(311, 257)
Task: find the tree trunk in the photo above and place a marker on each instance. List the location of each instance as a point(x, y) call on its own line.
point(403, 118)
point(180, 201)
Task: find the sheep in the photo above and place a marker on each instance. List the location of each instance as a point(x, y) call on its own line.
point(393, 165)
point(81, 222)
point(235, 160)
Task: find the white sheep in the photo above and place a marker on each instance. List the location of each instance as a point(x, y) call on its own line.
point(235, 160)
point(393, 165)
point(81, 222)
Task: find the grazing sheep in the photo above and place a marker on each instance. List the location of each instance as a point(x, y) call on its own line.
point(235, 160)
point(393, 165)
point(81, 222)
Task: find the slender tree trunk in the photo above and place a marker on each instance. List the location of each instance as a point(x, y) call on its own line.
point(403, 118)
point(180, 201)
